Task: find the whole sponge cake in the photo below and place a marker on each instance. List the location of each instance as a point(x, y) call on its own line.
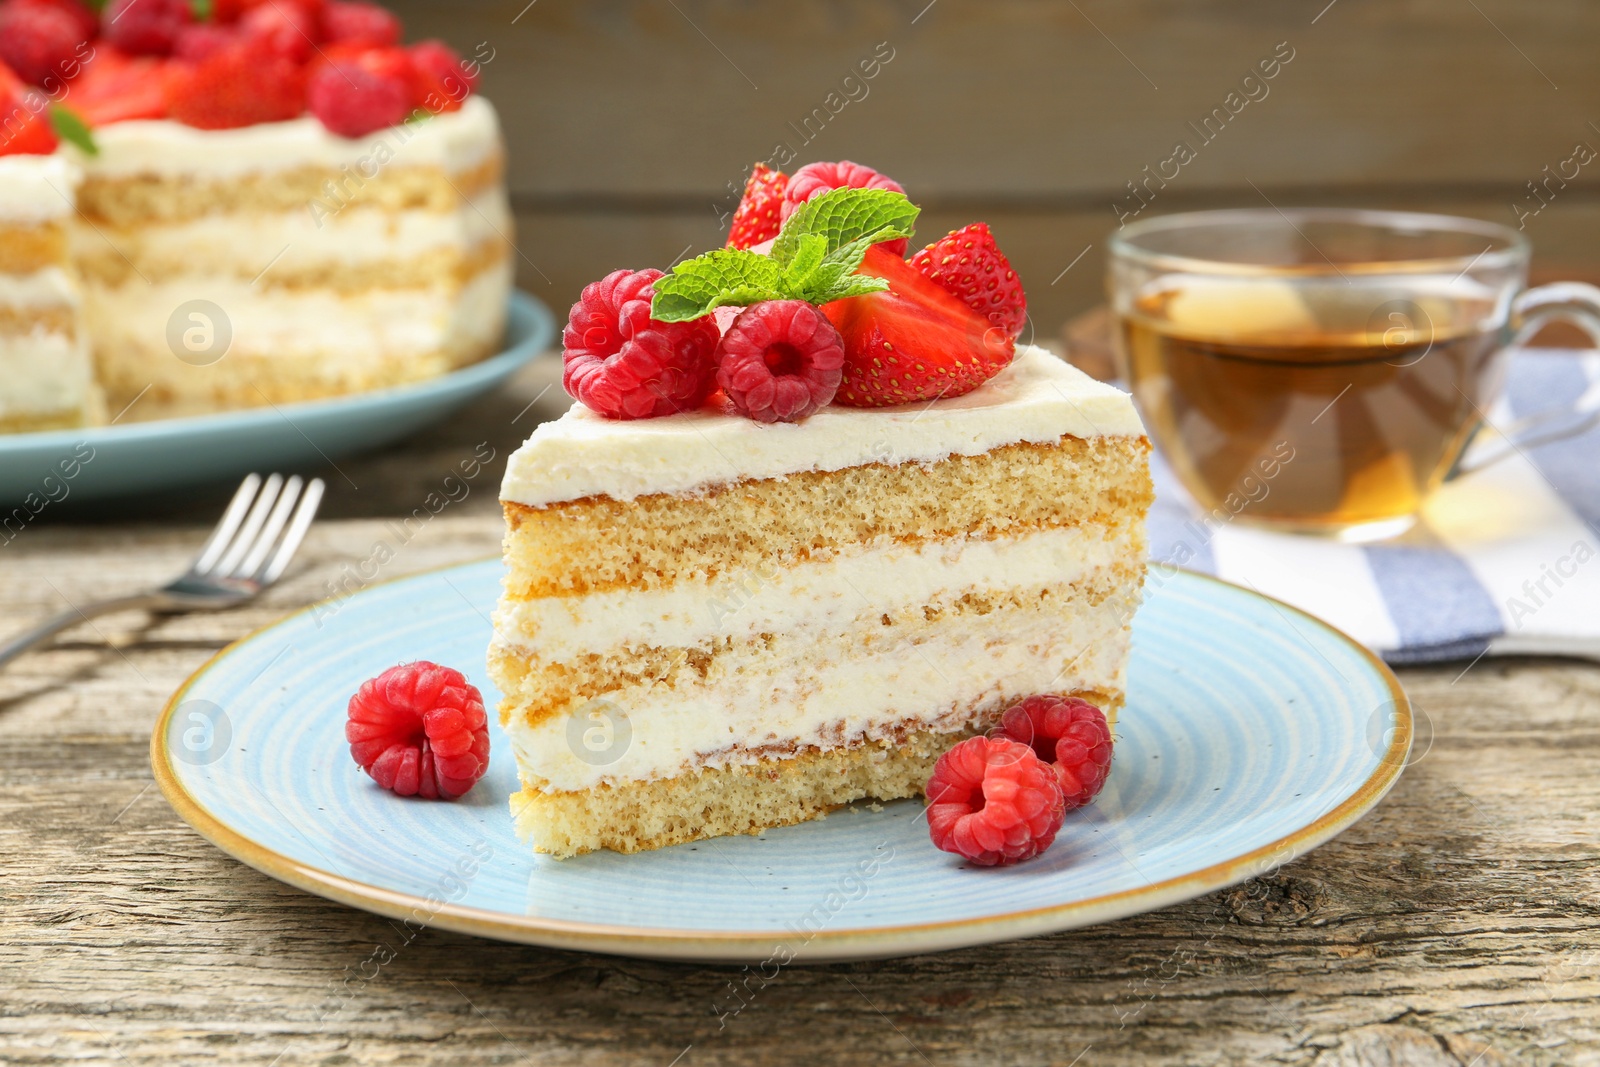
point(784, 619)
point(279, 201)
point(745, 588)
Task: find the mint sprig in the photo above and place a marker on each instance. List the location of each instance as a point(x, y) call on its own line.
point(72, 129)
point(814, 258)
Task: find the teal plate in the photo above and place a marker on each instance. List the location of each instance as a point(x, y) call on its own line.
point(1253, 732)
point(145, 457)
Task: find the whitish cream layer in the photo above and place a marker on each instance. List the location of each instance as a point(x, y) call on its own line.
point(48, 288)
point(43, 373)
point(456, 141)
point(1039, 399)
point(827, 699)
point(372, 326)
point(37, 189)
point(264, 243)
point(820, 596)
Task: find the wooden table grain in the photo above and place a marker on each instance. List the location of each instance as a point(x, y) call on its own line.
point(1458, 924)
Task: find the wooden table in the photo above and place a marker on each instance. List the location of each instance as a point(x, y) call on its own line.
point(1458, 924)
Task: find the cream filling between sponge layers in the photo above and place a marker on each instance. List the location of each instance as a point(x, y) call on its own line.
point(43, 373)
point(825, 696)
point(37, 188)
point(817, 595)
point(1038, 399)
point(51, 287)
point(268, 244)
point(129, 321)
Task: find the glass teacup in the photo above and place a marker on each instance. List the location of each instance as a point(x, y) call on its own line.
point(1324, 370)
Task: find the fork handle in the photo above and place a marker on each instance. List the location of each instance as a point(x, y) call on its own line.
point(72, 617)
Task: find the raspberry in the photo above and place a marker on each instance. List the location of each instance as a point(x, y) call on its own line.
point(440, 81)
point(203, 40)
point(780, 361)
point(352, 98)
point(620, 362)
point(39, 39)
point(758, 216)
point(240, 85)
point(814, 179)
point(419, 729)
point(284, 27)
point(144, 27)
point(1068, 733)
point(971, 267)
point(993, 801)
point(358, 22)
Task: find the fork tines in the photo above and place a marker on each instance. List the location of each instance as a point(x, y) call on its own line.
point(242, 545)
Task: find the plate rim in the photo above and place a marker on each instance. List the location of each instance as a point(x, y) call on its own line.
point(752, 946)
point(540, 335)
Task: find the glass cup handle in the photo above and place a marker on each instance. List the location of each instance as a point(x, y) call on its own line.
point(1573, 302)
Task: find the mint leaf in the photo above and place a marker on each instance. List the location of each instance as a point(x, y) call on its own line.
point(69, 127)
point(724, 277)
point(842, 216)
point(808, 256)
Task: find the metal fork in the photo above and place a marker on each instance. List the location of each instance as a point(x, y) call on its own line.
point(243, 556)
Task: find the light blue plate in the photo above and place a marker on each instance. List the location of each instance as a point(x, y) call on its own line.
point(144, 457)
point(1253, 732)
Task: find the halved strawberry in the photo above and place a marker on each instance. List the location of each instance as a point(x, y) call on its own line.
point(912, 341)
point(969, 265)
point(115, 87)
point(757, 217)
point(24, 120)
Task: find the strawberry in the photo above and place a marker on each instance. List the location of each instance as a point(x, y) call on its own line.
point(971, 267)
point(912, 341)
point(115, 87)
point(757, 217)
point(243, 84)
point(440, 81)
point(24, 121)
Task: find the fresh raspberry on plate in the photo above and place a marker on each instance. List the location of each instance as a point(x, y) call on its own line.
point(419, 729)
point(440, 81)
point(39, 40)
point(358, 22)
point(623, 364)
point(240, 85)
point(969, 265)
point(353, 98)
point(814, 179)
point(1068, 733)
point(144, 27)
point(780, 361)
point(759, 214)
point(993, 801)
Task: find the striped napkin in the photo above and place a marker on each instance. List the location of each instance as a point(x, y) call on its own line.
point(1504, 561)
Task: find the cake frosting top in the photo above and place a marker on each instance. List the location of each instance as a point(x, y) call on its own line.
point(37, 188)
point(456, 141)
point(1038, 399)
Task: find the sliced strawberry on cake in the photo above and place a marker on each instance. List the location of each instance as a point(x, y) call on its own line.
point(968, 264)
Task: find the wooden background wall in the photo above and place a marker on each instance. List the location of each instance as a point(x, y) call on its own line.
point(629, 119)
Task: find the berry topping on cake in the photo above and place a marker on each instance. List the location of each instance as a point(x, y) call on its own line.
point(284, 27)
point(814, 179)
point(203, 39)
point(240, 85)
point(419, 729)
point(912, 341)
point(354, 97)
point(114, 87)
point(40, 40)
point(357, 22)
point(1071, 735)
point(779, 361)
point(993, 801)
point(24, 121)
point(968, 264)
point(144, 27)
point(760, 213)
point(440, 81)
point(623, 364)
